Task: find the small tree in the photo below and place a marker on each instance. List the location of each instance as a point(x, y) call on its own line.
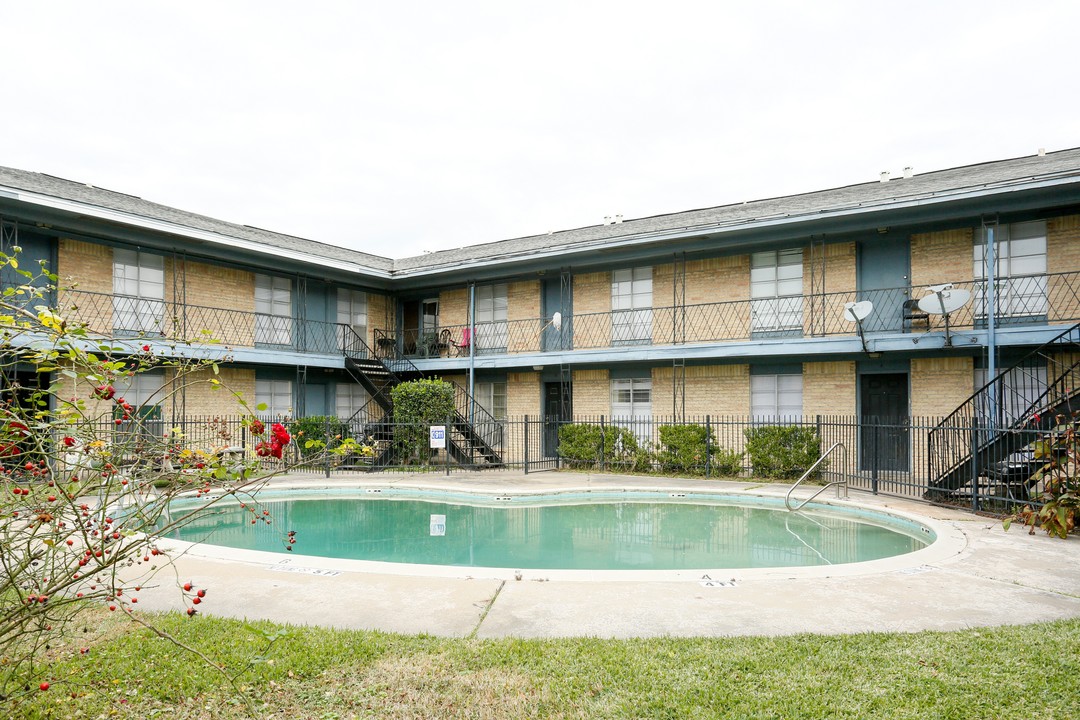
point(87, 477)
point(417, 405)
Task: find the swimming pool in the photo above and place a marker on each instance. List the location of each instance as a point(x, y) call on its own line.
point(574, 531)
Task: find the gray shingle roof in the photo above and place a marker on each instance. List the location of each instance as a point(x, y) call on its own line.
point(1064, 163)
point(872, 194)
point(79, 192)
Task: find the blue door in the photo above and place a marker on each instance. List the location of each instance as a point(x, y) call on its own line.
point(884, 278)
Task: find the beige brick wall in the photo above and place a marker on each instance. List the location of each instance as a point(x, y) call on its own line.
point(715, 390)
point(592, 393)
point(940, 385)
point(86, 267)
point(454, 309)
point(828, 388)
point(940, 257)
point(523, 394)
point(201, 400)
point(210, 289)
point(838, 266)
point(523, 316)
point(592, 294)
point(380, 316)
point(1062, 255)
point(718, 280)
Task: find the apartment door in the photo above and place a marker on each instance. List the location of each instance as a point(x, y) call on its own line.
point(555, 300)
point(883, 401)
point(556, 412)
point(884, 278)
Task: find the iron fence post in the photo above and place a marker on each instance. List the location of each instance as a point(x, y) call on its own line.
point(603, 445)
point(326, 448)
point(526, 434)
point(874, 464)
point(708, 444)
point(975, 464)
point(446, 450)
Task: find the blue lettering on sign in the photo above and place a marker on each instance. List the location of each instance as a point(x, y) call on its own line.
point(437, 434)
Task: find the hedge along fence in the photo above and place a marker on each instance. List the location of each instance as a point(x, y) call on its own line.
point(774, 451)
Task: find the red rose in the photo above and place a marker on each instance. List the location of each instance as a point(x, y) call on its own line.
point(257, 427)
point(69, 441)
point(104, 392)
point(281, 435)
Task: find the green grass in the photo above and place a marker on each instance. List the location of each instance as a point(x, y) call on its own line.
point(1026, 672)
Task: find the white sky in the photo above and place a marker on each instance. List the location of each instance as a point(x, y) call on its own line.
point(402, 127)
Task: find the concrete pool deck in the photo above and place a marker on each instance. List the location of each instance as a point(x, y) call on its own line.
point(976, 575)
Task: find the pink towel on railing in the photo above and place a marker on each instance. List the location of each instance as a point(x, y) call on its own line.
point(466, 334)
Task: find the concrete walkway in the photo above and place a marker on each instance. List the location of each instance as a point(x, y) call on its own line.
point(975, 575)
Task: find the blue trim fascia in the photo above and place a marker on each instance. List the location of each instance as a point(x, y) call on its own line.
point(963, 342)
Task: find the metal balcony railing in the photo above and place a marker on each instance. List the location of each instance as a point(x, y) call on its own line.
point(124, 315)
point(1035, 299)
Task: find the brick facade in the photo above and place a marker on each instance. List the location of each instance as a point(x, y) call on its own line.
point(1062, 255)
point(592, 393)
point(829, 388)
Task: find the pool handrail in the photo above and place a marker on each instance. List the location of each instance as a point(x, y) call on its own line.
point(838, 483)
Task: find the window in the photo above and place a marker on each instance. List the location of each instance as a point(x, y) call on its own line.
point(631, 405)
point(776, 397)
point(349, 399)
point(491, 325)
point(491, 396)
point(138, 292)
point(273, 310)
point(352, 311)
point(631, 306)
point(276, 395)
point(1020, 266)
point(776, 291)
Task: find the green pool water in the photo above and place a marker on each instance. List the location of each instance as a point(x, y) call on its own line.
point(620, 532)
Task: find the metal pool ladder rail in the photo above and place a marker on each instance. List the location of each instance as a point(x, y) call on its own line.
point(838, 483)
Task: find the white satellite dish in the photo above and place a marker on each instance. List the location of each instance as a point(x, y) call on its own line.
point(556, 321)
point(943, 300)
point(856, 311)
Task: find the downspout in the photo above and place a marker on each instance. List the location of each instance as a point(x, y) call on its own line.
point(991, 317)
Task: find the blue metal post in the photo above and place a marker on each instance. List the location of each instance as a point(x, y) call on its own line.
point(991, 320)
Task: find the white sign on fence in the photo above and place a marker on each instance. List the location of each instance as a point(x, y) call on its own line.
point(437, 437)
point(438, 525)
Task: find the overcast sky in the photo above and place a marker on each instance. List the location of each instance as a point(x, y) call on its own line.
point(403, 127)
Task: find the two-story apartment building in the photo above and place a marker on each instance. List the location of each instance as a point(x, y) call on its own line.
point(736, 310)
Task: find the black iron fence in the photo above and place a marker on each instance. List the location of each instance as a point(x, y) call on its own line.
point(879, 455)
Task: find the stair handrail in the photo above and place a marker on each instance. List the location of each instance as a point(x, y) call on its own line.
point(966, 410)
point(843, 483)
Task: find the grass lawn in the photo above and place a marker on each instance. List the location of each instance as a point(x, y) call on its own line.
point(1025, 672)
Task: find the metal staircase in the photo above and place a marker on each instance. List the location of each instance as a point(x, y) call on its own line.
point(473, 435)
point(1004, 415)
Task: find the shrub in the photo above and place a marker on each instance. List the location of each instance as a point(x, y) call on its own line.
point(326, 428)
point(418, 404)
point(683, 448)
point(783, 452)
point(583, 445)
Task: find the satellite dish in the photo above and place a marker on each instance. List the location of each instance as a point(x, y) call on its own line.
point(556, 321)
point(942, 300)
point(856, 311)
point(945, 300)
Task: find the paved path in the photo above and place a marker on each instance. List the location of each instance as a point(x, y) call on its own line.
point(976, 575)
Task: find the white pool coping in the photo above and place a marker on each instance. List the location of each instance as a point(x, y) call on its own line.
point(949, 544)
